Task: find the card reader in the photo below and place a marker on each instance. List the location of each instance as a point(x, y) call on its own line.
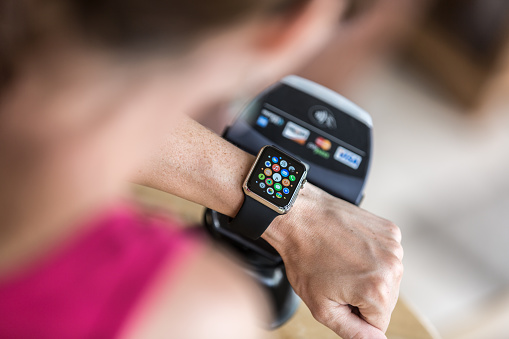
point(324, 130)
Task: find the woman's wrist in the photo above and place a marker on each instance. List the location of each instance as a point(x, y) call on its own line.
point(289, 229)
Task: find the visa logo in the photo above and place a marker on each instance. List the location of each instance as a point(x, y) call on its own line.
point(348, 158)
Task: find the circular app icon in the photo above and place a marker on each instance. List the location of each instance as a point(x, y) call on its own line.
point(261, 176)
point(286, 182)
point(276, 177)
point(262, 185)
point(275, 168)
point(284, 173)
point(269, 181)
point(278, 187)
point(283, 163)
point(267, 172)
point(270, 191)
point(291, 169)
point(286, 190)
point(279, 195)
point(267, 163)
point(275, 160)
point(292, 177)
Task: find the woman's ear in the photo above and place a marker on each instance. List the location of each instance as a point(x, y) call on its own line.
point(300, 30)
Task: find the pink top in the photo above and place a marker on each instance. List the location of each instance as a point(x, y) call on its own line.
point(88, 287)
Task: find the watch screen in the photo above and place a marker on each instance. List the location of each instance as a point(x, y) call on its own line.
point(276, 176)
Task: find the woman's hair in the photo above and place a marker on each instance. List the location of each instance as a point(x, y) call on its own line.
point(124, 25)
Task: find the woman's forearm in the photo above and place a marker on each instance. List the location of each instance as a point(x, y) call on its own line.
point(198, 165)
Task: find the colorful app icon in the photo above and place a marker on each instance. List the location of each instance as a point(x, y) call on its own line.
point(296, 133)
point(286, 182)
point(262, 121)
point(291, 169)
point(267, 172)
point(283, 163)
point(261, 176)
point(269, 181)
point(275, 168)
point(286, 190)
point(262, 185)
point(277, 177)
point(275, 160)
point(323, 143)
point(270, 190)
point(279, 195)
point(278, 187)
point(267, 163)
point(292, 177)
point(284, 173)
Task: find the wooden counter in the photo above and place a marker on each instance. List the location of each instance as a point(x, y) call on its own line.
point(405, 324)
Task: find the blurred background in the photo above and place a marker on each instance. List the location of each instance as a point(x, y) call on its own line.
point(434, 76)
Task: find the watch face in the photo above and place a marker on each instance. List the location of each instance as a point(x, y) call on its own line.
point(276, 176)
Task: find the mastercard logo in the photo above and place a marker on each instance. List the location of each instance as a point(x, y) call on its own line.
point(323, 143)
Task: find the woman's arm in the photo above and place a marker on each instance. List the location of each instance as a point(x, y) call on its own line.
point(335, 253)
point(197, 165)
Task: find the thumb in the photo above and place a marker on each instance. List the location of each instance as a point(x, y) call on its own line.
point(349, 325)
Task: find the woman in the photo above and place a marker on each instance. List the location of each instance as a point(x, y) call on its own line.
point(88, 88)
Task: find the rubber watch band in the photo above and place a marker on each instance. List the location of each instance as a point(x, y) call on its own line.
point(252, 219)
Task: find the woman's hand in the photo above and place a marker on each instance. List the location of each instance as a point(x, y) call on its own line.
point(344, 262)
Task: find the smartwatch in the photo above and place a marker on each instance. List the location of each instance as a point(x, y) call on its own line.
point(270, 190)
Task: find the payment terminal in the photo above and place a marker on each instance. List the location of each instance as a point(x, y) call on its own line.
point(314, 124)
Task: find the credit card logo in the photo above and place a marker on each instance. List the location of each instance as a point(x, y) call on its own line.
point(273, 118)
point(318, 150)
point(296, 133)
point(323, 143)
point(262, 121)
point(348, 158)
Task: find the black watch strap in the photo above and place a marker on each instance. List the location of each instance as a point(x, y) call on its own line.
point(252, 219)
